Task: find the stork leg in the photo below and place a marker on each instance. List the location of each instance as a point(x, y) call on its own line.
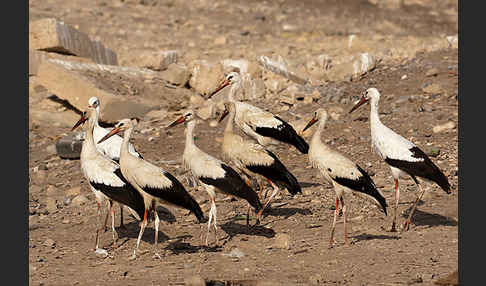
point(406, 224)
point(112, 211)
point(395, 208)
point(122, 226)
point(212, 213)
point(97, 240)
point(142, 228)
point(336, 210)
point(249, 206)
point(156, 239)
point(344, 208)
point(108, 210)
point(275, 191)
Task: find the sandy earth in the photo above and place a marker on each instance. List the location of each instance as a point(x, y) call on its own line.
point(61, 241)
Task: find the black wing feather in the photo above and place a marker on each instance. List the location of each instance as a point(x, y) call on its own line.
point(285, 133)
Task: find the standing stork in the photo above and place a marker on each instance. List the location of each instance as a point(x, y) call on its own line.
point(213, 174)
point(152, 182)
point(403, 156)
point(110, 147)
point(105, 177)
point(263, 126)
point(251, 158)
point(340, 171)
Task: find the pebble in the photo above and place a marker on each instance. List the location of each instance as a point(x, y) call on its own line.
point(282, 241)
point(235, 253)
point(194, 280)
point(432, 72)
point(444, 127)
point(79, 200)
point(404, 76)
point(49, 243)
point(433, 151)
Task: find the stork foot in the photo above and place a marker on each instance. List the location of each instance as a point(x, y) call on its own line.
point(393, 228)
point(331, 243)
point(101, 251)
point(157, 256)
point(406, 226)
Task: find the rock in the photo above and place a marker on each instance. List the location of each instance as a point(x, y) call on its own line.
point(66, 81)
point(196, 101)
point(404, 77)
point(300, 124)
point(176, 74)
point(450, 280)
point(315, 279)
point(51, 205)
point(432, 89)
point(432, 151)
point(359, 65)
point(52, 35)
point(72, 192)
point(69, 146)
point(159, 114)
point(280, 67)
point(194, 280)
point(205, 77)
point(156, 60)
point(444, 127)
point(36, 58)
point(49, 243)
point(206, 112)
point(243, 66)
point(432, 72)
point(235, 253)
point(51, 149)
point(213, 123)
point(219, 41)
point(453, 41)
point(281, 241)
point(335, 112)
point(79, 200)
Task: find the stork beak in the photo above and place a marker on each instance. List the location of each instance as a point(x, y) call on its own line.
point(111, 133)
point(311, 122)
point(225, 112)
point(362, 101)
point(224, 83)
point(180, 120)
point(80, 121)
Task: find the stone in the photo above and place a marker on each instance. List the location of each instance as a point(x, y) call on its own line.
point(451, 279)
point(335, 112)
point(79, 200)
point(453, 41)
point(243, 66)
point(63, 80)
point(176, 74)
point(158, 114)
point(235, 253)
point(280, 67)
point(432, 72)
point(196, 101)
point(219, 41)
point(72, 192)
point(69, 146)
point(38, 57)
point(51, 205)
point(315, 279)
point(206, 112)
point(432, 151)
point(433, 88)
point(359, 65)
point(194, 280)
point(281, 241)
point(205, 77)
point(51, 35)
point(444, 127)
point(49, 243)
point(157, 60)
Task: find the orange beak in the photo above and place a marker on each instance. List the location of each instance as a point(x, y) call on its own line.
point(80, 121)
point(180, 120)
point(311, 122)
point(109, 134)
point(225, 112)
point(224, 83)
point(362, 101)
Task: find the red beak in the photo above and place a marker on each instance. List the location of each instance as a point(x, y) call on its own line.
point(111, 133)
point(180, 120)
point(224, 83)
point(225, 112)
point(362, 101)
point(80, 121)
point(311, 122)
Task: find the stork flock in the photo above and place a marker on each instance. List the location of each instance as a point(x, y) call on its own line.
point(116, 172)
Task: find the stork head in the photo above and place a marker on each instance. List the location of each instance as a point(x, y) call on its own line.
point(84, 117)
point(228, 107)
point(186, 117)
point(120, 126)
point(371, 93)
point(319, 114)
point(94, 102)
point(230, 79)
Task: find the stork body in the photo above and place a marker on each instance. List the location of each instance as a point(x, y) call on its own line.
point(213, 174)
point(402, 156)
point(110, 147)
point(252, 159)
point(263, 126)
point(341, 172)
point(153, 183)
point(105, 178)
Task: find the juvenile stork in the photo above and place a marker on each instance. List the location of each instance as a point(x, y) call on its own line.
point(341, 172)
point(403, 156)
point(213, 174)
point(252, 158)
point(263, 126)
point(152, 182)
point(110, 147)
point(105, 177)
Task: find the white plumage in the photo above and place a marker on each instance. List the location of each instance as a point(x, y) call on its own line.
point(341, 172)
point(402, 156)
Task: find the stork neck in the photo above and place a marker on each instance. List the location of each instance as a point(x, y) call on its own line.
point(97, 116)
point(229, 124)
point(374, 117)
point(89, 144)
point(189, 134)
point(320, 127)
point(126, 141)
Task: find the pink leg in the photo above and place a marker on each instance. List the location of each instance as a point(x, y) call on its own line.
point(397, 196)
point(406, 224)
point(331, 240)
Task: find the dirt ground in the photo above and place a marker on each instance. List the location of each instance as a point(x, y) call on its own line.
point(61, 241)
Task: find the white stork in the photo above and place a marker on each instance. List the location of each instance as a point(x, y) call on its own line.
point(252, 158)
point(154, 183)
point(403, 156)
point(341, 172)
point(105, 178)
point(263, 126)
point(110, 147)
point(213, 174)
